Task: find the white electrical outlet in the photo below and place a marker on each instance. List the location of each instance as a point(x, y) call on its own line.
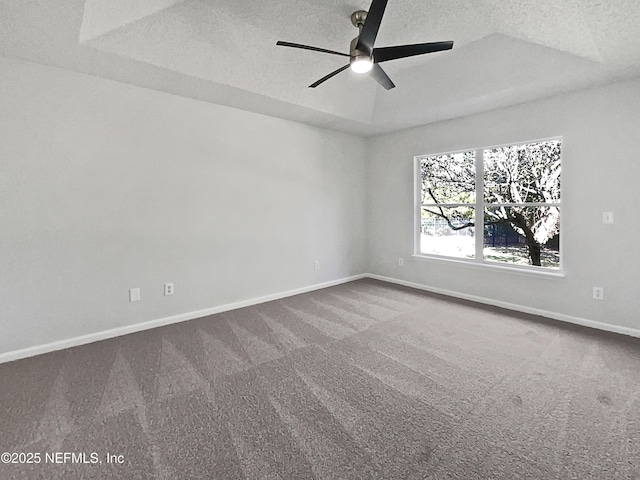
point(168, 289)
point(607, 217)
point(598, 293)
point(401, 262)
point(134, 295)
point(316, 264)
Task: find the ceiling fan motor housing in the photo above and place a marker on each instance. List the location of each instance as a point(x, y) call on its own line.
point(355, 53)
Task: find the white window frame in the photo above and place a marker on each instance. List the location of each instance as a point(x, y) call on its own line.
point(478, 260)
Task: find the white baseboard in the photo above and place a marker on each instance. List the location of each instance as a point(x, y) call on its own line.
point(116, 332)
point(138, 327)
point(512, 306)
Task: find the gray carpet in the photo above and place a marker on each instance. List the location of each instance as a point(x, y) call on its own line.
point(365, 380)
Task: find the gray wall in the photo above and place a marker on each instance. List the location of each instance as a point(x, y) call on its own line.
point(600, 171)
point(106, 186)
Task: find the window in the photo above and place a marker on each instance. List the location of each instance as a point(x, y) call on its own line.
point(496, 205)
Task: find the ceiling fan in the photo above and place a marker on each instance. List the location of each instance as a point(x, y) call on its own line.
point(363, 57)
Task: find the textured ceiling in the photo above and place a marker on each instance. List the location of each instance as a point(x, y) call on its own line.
point(223, 51)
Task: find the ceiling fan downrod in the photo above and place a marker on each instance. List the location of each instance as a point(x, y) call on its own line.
point(360, 61)
point(358, 18)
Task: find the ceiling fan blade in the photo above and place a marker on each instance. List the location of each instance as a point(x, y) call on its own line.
point(332, 74)
point(371, 26)
point(380, 76)
point(385, 54)
point(307, 47)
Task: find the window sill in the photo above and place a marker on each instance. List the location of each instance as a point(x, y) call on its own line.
point(518, 270)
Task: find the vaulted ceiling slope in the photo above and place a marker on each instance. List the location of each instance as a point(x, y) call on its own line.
point(224, 51)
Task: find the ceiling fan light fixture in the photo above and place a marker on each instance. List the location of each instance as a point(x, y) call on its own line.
point(361, 64)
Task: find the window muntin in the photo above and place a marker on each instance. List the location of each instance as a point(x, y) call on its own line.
point(514, 189)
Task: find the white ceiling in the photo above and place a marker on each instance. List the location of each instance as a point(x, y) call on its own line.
point(224, 51)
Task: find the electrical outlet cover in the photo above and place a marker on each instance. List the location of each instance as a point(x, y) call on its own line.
point(134, 295)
